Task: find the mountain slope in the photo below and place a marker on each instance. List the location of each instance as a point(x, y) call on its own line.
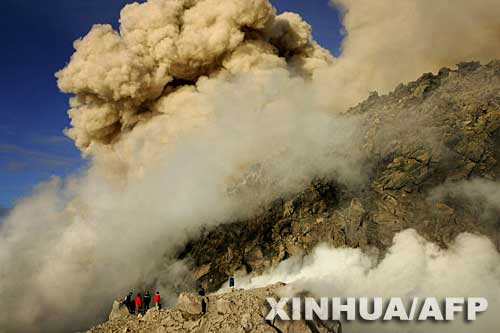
point(423, 143)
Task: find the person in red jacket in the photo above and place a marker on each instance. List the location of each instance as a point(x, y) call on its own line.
point(157, 299)
point(138, 303)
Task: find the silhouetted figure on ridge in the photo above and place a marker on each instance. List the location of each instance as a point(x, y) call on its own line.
point(146, 300)
point(201, 292)
point(128, 303)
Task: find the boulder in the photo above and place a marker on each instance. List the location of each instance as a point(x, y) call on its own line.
point(189, 303)
point(119, 310)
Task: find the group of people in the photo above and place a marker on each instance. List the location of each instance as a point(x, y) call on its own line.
point(141, 304)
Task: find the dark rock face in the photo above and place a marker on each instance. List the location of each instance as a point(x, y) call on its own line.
point(285, 228)
point(439, 129)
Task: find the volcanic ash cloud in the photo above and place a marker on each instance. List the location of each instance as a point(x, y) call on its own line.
point(122, 78)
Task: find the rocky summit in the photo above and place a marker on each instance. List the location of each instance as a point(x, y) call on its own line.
point(418, 141)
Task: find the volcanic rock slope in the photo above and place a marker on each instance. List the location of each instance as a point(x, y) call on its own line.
point(429, 134)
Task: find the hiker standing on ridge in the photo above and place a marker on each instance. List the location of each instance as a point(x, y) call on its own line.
point(128, 303)
point(146, 301)
point(157, 299)
point(138, 303)
point(201, 292)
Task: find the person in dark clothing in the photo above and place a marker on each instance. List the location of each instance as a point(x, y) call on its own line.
point(128, 303)
point(138, 303)
point(201, 292)
point(146, 301)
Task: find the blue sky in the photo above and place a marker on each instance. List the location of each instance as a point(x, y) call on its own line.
point(37, 38)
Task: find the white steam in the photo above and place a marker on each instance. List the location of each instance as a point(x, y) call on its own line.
point(412, 267)
point(177, 108)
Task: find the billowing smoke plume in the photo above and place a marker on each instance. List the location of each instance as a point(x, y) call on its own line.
point(412, 268)
point(179, 124)
point(195, 113)
point(123, 78)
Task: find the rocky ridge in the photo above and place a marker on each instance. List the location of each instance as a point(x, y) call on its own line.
point(233, 312)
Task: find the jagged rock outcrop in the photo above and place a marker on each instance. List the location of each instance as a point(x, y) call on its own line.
point(189, 303)
point(119, 310)
point(233, 312)
point(439, 129)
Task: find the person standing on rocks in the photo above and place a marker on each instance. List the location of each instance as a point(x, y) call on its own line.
point(128, 303)
point(146, 301)
point(157, 299)
point(138, 303)
point(201, 292)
